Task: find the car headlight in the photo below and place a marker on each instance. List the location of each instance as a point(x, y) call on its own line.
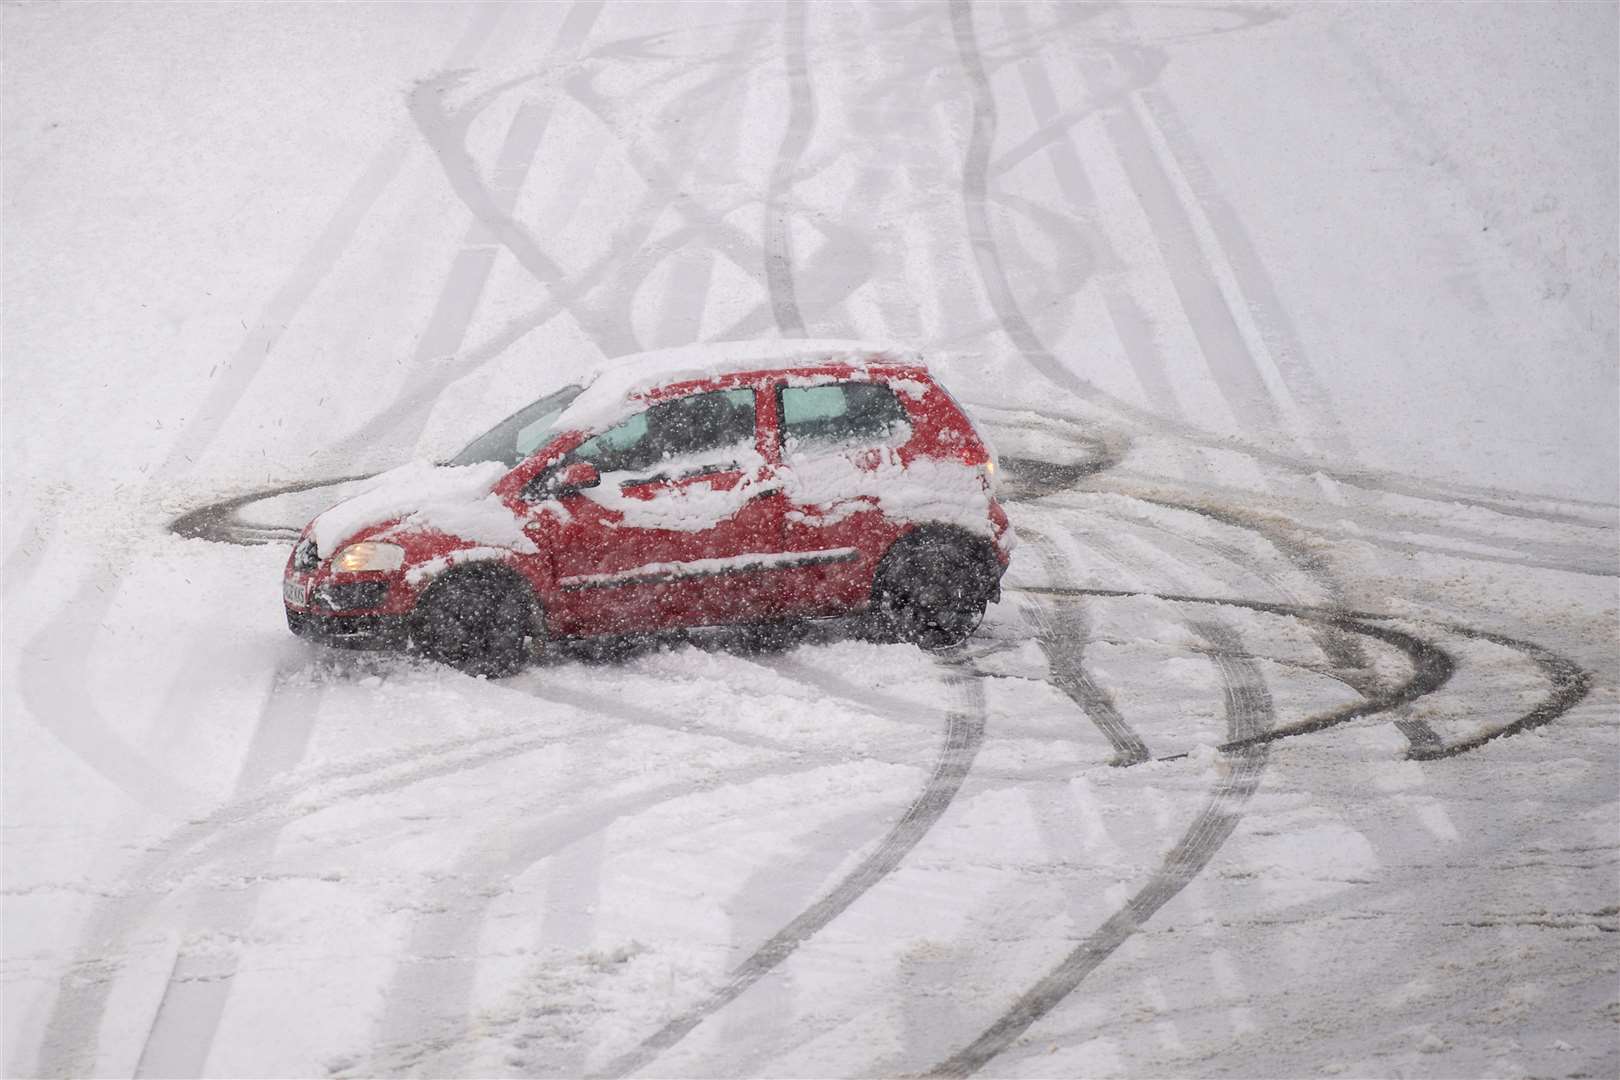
point(369, 555)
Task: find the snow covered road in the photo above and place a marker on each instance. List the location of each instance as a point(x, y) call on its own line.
point(1292, 749)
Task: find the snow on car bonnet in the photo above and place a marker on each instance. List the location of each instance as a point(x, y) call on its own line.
point(452, 499)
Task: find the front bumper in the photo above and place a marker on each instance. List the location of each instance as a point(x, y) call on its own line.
point(350, 631)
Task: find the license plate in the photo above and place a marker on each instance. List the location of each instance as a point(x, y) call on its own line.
point(295, 591)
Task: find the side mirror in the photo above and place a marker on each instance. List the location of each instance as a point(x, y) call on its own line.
point(575, 476)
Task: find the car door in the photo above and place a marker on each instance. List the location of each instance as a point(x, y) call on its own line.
point(686, 502)
point(840, 445)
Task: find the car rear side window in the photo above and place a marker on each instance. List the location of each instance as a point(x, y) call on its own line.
point(695, 424)
point(839, 412)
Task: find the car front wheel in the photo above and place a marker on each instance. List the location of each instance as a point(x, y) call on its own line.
point(478, 621)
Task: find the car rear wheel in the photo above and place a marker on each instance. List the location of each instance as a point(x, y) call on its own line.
point(930, 590)
point(477, 620)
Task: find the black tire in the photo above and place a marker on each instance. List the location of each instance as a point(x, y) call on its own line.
point(476, 620)
point(931, 590)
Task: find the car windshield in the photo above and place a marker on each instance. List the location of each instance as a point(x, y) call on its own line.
point(520, 434)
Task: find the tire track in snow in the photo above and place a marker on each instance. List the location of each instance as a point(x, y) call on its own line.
point(1073, 182)
point(1248, 708)
point(1341, 647)
point(801, 123)
point(1202, 495)
point(959, 747)
point(188, 1014)
point(419, 997)
point(493, 228)
point(975, 207)
point(455, 934)
point(1248, 741)
point(71, 1039)
point(76, 721)
point(1568, 682)
point(209, 523)
point(1237, 365)
point(975, 192)
point(57, 697)
point(1279, 336)
point(842, 245)
point(1235, 369)
point(1431, 665)
point(667, 177)
point(239, 372)
point(218, 522)
point(987, 253)
point(1062, 635)
point(432, 986)
point(69, 1046)
point(1339, 644)
point(1248, 716)
point(1431, 668)
point(624, 267)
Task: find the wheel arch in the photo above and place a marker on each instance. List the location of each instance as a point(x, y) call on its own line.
point(928, 534)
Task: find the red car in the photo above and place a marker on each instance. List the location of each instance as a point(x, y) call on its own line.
point(703, 486)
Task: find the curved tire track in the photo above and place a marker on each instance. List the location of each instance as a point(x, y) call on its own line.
point(1215, 823)
point(1248, 718)
point(1062, 636)
point(778, 230)
point(998, 289)
point(1569, 683)
point(963, 735)
point(69, 1045)
point(433, 984)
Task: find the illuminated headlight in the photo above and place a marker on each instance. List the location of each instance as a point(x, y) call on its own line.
point(369, 555)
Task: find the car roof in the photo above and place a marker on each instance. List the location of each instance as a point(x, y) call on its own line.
point(616, 384)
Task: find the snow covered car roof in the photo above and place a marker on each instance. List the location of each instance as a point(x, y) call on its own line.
point(617, 382)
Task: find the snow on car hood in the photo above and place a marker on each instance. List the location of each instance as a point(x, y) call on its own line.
point(452, 499)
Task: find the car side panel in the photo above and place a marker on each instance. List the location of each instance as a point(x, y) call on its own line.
point(617, 569)
point(610, 577)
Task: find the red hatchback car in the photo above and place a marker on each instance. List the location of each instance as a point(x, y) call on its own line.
point(703, 486)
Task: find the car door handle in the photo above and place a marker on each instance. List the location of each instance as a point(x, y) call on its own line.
point(675, 478)
point(710, 470)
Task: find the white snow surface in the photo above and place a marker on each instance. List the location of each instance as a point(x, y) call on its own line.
point(1277, 312)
